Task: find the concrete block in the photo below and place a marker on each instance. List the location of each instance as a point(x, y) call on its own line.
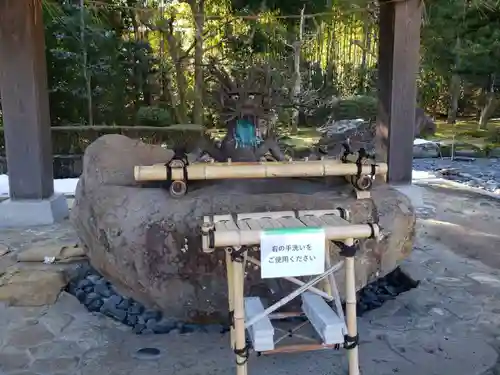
point(325, 321)
point(262, 332)
point(28, 213)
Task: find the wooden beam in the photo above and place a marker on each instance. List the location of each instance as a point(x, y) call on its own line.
point(25, 103)
point(398, 61)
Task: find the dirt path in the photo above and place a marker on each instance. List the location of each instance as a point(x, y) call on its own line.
point(466, 223)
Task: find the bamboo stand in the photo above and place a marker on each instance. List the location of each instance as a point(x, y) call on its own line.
point(235, 266)
point(221, 231)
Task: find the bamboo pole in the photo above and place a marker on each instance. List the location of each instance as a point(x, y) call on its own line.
point(297, 281)
point(214, 171)
point(239, 315)
point(297, 348)
point(352, 329)
point(327, 286)
point(230, 293)
point(238, 237)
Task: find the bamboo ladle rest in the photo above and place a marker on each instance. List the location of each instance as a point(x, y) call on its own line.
point(179, 173)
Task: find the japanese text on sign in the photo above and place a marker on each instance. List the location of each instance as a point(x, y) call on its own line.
point(289, 252)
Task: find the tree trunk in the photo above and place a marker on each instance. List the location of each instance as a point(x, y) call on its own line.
point(455, 84)
point(297, 51)
point(198, 9)
point(488, 109)
point(174, 51)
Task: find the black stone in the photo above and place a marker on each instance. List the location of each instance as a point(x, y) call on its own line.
point(135, 309)
point(103, 290)
point(187, 328)
point(390, 290)
point(109, 309)
point(82, 284)
point(131, 320)
point(80, 295)
point(139, 328)
point(151, 314)
point(94, 279)
point(161, 326)
point(88, 289)
point(95, 305)
point(212, 328)
point(98, 295)
point(91, 297)
point(124, 304)
point(115, 300)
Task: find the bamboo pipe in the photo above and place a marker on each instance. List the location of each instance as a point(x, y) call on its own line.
point(214, 171)
point(352, 329)
point(252, 237)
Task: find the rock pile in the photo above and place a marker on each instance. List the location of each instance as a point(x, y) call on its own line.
point(99, 295)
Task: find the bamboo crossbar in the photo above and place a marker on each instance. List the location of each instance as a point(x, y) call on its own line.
point(238, 237)
point(299, 348)
point(232, 170)
point(296, 281)
point(294, 294)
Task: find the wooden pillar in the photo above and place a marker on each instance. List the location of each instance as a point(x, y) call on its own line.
point(25, 104)
point(398, 61)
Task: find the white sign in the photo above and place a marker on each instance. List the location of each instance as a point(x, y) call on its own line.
point(289, 252)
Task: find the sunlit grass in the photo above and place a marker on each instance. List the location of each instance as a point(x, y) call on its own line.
point(466, 132)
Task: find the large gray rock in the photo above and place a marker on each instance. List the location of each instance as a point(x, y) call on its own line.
point(361, 133)
point(135, 236)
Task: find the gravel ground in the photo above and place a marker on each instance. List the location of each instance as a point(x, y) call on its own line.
point(478, 173)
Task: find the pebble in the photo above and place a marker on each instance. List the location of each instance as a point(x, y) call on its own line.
point(477, 173)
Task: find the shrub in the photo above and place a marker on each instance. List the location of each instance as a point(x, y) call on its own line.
point(71, 140)
point(362, 106)
point(493, 136)
point(154, 116)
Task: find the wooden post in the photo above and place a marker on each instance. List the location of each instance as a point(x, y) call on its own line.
point(399, 44)
point(25, 103)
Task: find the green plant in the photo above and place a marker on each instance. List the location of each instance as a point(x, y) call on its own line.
point(154, 116)
point(493, 135)
point(474, 133)
point(363, 106)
